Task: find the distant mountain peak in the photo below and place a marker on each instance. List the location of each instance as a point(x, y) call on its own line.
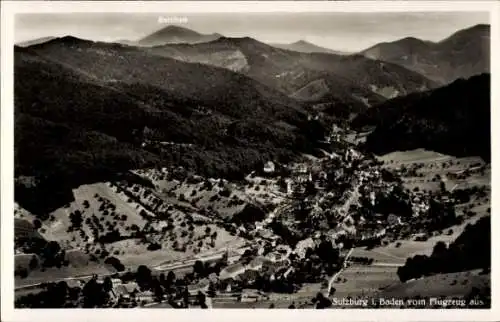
point(68, 40)
point(412, 40)
point(301, 42)
point(176, 34)
point(238, 40)
point(305, 46)
point(177, 30)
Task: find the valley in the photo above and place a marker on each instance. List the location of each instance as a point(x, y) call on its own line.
point(196, 170)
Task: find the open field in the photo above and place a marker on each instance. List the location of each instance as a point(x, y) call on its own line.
point(306, 304)
point(264, 304)
point(434, 164)
point(79, 264)
point(53, 274)
point(104, 207)
point(379, 255)
point(360, 280)
point(450, 285)
point(128, 212)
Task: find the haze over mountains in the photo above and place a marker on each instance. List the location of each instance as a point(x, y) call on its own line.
point(463, 54)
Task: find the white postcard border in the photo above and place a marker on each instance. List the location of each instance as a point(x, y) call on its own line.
point(9, 8)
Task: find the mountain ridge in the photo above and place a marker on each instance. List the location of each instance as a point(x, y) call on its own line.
point(83, 109)
point(289, 71)
point(463, 54)
point(307, 47)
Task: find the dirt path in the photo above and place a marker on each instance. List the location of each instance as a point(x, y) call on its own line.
point(332, 279)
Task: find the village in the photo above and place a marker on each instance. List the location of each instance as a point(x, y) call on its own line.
point(311, 214)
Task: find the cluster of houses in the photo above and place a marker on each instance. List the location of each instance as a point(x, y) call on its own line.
point(120, 291)
point(128, 291)
point(419, 204)
point(239, 267)
point(351, 155)
point(301, 175)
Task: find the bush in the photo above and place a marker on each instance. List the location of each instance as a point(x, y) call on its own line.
point(23, 273)
point(153, 246)
point(37, 224)
point(115, 262)
point(225, 193)
point(33, 262)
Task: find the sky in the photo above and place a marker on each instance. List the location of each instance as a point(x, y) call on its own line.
point(340, 31)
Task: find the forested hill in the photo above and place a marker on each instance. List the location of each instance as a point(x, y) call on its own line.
point(454, 119)
point(83, 109)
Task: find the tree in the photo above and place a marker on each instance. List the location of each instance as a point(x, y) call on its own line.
point(33, 262)
point(310, 188)
point(22, 272)
point(107, 285)
point(37, 224)
point(115, 262)
point(322, 302)
point(327, 252)
point(153, 246)
point(439, 249)
point(200, 297)
point(199, 268)
point(93, 294)
point(211, 290)
point(158, 291)
point(170, 278)
point(143, 276)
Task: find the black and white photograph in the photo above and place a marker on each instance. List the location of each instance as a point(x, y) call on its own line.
point(250, 160)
